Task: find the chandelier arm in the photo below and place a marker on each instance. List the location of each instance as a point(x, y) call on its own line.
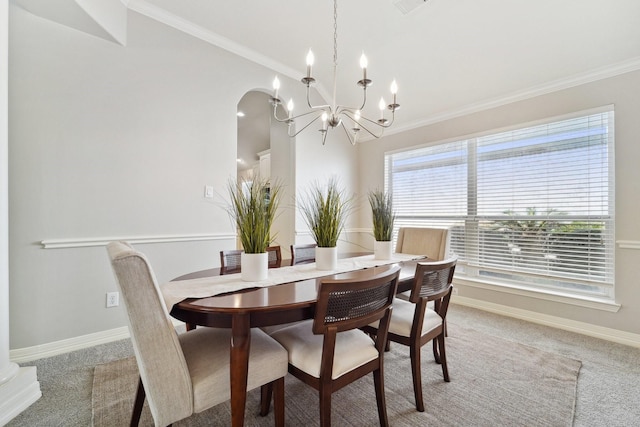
point(362, 126)
point(386, 124)
point(343, 108)
point(305, 126)
point(314, 107)
point(292, 118)
point(352, 139)
point(371, 132)
point(275, 114)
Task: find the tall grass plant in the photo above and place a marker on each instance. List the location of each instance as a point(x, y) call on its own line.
point(325, 210)
point(253, 208)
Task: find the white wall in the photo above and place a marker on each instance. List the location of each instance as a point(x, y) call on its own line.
point(317, 164)
point(619, 91)
point(108, 141)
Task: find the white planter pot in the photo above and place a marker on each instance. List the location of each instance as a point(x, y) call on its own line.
point(382, 250)
point(326, 258)
point(254, 267)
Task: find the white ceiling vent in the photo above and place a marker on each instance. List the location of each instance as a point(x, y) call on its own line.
point(406, 6)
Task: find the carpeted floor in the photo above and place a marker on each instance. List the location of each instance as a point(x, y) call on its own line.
point(492, 380)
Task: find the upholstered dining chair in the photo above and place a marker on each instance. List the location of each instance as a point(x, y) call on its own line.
point(186, 373)
point(303, 253)
point(414, 324)
point(431, 242)
point(330, 351)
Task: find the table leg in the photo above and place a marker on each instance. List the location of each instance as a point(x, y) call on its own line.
point(240, 344)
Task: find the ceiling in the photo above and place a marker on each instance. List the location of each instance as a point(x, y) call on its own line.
point(449, 57)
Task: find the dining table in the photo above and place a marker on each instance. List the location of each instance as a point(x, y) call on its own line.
point(206, 299)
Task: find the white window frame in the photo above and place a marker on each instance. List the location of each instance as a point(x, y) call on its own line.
point(470, 270)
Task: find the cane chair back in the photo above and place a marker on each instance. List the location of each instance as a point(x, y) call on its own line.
point(301, 254)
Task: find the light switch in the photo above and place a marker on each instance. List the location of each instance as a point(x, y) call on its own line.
point(208, 191)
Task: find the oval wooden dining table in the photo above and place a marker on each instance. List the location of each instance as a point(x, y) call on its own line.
point(257, 307)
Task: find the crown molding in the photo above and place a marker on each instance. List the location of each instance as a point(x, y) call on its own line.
point(532, 92)
point(188, 27)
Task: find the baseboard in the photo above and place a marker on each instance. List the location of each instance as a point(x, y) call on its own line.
point(18, 394)
point(65, 346)
point(609, 334)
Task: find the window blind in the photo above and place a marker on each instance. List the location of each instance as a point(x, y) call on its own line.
point(531, 206)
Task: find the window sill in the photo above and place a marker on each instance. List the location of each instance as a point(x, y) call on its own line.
point(603, 304)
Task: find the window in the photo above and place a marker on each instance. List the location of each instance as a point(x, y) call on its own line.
point(531, 206)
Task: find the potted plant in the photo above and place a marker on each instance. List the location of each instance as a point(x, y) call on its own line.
point(325, 211)
point(383, 218)
point(253, 209)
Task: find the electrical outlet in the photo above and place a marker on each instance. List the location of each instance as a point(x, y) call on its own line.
point(113, 299)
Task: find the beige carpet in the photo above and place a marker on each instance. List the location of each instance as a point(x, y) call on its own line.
point(493, 382)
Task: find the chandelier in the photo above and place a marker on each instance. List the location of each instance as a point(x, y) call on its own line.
point(334, 115)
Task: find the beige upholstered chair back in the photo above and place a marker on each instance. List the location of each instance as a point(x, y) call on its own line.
point(162, 365)
point(432, 242)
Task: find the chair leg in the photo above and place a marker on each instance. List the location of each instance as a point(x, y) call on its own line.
point(436, 354)
point(278, 402)
point(443, 357)
point(190, 326)
point(325, 406)
point(137, 406)
point(265, 398)
point(378, 380)
point(414, 351)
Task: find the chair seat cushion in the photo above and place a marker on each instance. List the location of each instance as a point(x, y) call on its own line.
point(402, 318)
point(206, 351)
point(353, 348)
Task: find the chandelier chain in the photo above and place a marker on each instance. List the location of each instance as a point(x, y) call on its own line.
point(335, 32)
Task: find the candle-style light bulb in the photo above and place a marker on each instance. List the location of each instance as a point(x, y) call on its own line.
point(276, 87)
point(382, 106)
point(310, 59)
point(363, 65)
point(394, 90)
point(357, 115)
point(290, 107)
point(324, 120)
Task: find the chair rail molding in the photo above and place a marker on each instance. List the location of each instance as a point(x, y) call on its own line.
point(103, 241)
point(628, 244)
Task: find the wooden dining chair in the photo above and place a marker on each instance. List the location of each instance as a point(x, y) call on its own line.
point(186, 373)
point(230, 261)
point(414, 324)
point(301, 254)
point(329, 351)
point(275, 256)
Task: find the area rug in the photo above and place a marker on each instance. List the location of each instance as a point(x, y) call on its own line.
point(494, 382)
